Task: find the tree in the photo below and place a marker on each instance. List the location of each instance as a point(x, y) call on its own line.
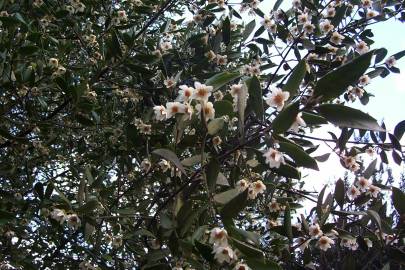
point(172, 135)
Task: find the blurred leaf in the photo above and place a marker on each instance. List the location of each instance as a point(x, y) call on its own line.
point(223, 107)
point(300, 157)
point(369, 171)
point(399, 130)
point(398, 199)
point(343, 116)
point(340, 192)
point(287, 221)
point(255, 101)
point(262, 265)
point(211, 172)
point(247, 249)
point(375, 217)
point(248, 29)
point(226, 196)
point(335, 83)
point(88, 207)
point(294, 81)
point(220, 79)
point(380, 54)
point(232, 208)
point(285, 118)
point(170, 156)
point(226, 31)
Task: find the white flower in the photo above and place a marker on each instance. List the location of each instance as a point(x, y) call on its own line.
point(58, 215)
point(304, 18)
point(296, 4)
point(165, 46)
point(277, 98)
point(309, 28)
point(251, 192)
point(336, 38)
point(216, 140)
point(172, 108)
point(353, 192)
point(117, 241)
point(210, 55)
point(9, 234)
point(362, 47)
point(185, 93)
point(160, 112)
point(370, 151)
point(122, 15)
point(391, 61)
point(241, 266)
point(235, 90)
point(268, 24)
point(169, 82)
point(330, 12)
point(146, 165)
point(274, 158)
point(326, 26)
point(202, 92)
point(209, 111)
point(218, 237)
point(369, 243)
point(222, 60)
point(258, 187)
point(366, 3)
point(325, 243)
point(350, 243)
point(164, 165)
point(364, 80)
point(242, 185)
point(274, 206)
point(371, 14)
point(224, 254)
point(363, 184)
point(188, 111)
point(53, 62)
point(315, 230)
point(298, 122)
point(73, 221)
point(218, 95)
point(373, 190)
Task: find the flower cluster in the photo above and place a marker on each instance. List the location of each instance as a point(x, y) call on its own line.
point(73, 221)
point(254, 188)
point(363, 185)
point(222, 251)
point(184, 105)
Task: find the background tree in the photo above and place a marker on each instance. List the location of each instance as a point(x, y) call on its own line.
point(172, 134)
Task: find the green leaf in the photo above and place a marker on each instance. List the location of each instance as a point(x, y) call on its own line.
point(398, 199)
point(277, 4)
point(223, 107)
point(399, 55)
point(220, 79)
point(294, 81)
point(340, 192)
point(226, 31)
point(247, 249)
point(248, 30)
point(28, 50)
point(287, 171)
point(88, 207)
point(380, 54)
point(399, 130)
point(232, 208)
point(263, 265)
point(375, 217)
point(320, 203)
point(215, 125)
point(335, 83)
point(343, 116)
point(369, 171)
point(169, 155)
point(6, 217)
point(300, 157)
point(286, 118)
point(191, 161)
point(312, 119)
point(255, 101)
point(226, 196)
point(287, 221)
point(211, 172)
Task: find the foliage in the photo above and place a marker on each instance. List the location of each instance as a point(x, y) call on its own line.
point(177, 135)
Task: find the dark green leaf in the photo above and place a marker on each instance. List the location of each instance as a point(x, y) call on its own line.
point(399, 130)
point(255, 101)
point(223, 107)
point(343, 116)
point(369, 171)
point(294, 81)
point(248, 30)
point(211, 172)
point(398, 199)
point(300, 157)
point(170, 156)
point(340, 192)
point(286, 118)
point(219, 80)
point(232, 208)
point(262, 265)
point(335, 83)
point(226, 31)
